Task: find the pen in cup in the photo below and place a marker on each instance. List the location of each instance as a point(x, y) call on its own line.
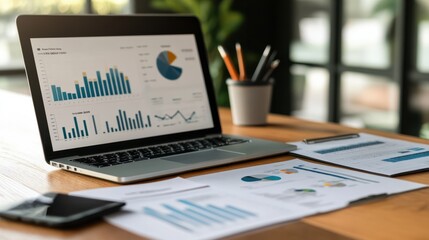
point(261, 64)
point(266, 65)
point(228, 63)
point(241, 65)
point(270, 70)
point(271, 58)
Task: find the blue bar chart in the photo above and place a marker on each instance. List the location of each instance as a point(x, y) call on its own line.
point(348, 147)
point(407, 157)
point(79, 130)
point(126, 122)
point(86, 125)
point(113, 82)
point(190, 216)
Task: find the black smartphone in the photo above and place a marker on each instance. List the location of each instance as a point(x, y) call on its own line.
point(60, 210)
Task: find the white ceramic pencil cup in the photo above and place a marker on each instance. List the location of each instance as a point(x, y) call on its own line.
point(250, 101)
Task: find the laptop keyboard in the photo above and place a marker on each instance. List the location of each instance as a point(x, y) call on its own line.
point(157, 151)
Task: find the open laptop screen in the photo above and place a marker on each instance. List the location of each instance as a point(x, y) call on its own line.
point(99, 90)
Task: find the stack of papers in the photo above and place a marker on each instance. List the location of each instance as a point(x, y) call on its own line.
point(370, 153)
point(225, 203)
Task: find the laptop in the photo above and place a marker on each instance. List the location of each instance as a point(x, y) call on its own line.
point(127, 98)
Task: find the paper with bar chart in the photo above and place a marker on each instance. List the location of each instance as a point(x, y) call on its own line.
point(100, 90)
point(220, 204)
point(182, 209)
point(371, 153)
point(313, 186)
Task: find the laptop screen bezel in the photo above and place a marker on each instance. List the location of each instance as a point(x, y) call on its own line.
point(53, 26)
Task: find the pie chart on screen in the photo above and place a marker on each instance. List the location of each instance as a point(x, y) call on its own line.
point(164, 62)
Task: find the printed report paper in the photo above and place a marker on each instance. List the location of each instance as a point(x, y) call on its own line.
point(370, 153)
point(313, 186)
point(220, 204)
point(182, 209)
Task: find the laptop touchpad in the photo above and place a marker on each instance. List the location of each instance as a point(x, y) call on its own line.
point(200, 157)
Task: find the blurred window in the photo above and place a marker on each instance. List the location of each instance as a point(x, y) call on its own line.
point(12, 75)
point(10, 57)
point(310, 31)
point(368, 32)
point(422, 17)
point(368, 94)
point(369, 101)
point(310, 92)
point(111, 6)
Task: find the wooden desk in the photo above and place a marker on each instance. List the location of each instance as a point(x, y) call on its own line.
point(23, 171)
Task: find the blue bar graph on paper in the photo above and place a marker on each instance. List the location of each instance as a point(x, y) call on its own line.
point(407, 157)
point(191, 216)
point(114, 82)
point(348, 147)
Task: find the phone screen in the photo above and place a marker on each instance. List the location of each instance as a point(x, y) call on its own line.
point(60, 210)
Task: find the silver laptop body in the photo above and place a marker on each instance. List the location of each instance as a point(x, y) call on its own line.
point(127, 98)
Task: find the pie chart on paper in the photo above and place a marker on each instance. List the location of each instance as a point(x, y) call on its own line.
point(164, 63)
point(260, 177)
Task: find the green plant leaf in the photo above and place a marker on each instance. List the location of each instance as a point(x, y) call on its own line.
point(228, 24)
point(217, 23)
point(170, 5)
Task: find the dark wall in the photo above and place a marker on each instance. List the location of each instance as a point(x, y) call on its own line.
point(264, 23)
point(267, 24)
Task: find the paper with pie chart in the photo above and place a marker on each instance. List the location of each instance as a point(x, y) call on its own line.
point(182, 209)
point(239, 200)
point(165, 64)
point(317, 187)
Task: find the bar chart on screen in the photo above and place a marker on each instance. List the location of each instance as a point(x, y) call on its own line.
point(85, 79)
point(87, 124)
point(113, 82)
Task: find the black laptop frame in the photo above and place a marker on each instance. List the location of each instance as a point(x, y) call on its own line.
point(46, 26)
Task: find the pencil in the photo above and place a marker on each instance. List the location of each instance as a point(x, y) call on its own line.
point(228, 63)
point(271, 58)
point(240, 58)
point(273, 66)
point(261, 64)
